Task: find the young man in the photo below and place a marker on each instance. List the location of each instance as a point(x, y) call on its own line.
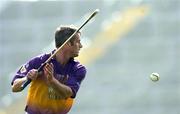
point(53, 89)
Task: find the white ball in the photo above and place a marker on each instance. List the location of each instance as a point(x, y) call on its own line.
point(154, 77)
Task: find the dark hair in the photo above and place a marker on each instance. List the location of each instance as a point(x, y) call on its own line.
point(62, 33)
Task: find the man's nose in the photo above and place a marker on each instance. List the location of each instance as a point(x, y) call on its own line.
point(81, 45)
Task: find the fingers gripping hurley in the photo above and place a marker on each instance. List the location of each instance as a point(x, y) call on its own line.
point(48, 60)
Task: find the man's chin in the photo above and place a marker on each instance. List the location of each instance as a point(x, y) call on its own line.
point(76, 55)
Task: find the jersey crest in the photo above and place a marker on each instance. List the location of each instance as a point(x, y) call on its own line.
point(23, 69)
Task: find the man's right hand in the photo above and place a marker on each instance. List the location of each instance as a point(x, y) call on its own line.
point(32, 74)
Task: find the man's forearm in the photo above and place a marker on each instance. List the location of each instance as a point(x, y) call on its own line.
point(16, 87)
point(62, 89)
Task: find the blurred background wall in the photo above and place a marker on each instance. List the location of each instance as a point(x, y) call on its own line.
point(124, 44)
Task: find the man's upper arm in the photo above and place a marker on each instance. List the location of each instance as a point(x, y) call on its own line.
point(75, 80)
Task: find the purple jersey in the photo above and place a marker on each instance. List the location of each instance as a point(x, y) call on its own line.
point(43, 99)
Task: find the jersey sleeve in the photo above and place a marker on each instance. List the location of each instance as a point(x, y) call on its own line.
point(74, 81)
point(34, 63)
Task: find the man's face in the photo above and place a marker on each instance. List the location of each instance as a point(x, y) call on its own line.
point(76, 45)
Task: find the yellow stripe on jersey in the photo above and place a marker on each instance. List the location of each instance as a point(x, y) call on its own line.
point(43, 98)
